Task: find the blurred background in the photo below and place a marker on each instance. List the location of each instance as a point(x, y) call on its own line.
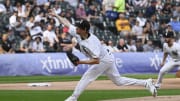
point(121, 25)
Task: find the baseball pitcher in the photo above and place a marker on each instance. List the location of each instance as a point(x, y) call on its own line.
point(100, 59)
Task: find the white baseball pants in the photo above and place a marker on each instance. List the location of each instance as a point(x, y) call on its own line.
point(166, 68)
point(109, 69)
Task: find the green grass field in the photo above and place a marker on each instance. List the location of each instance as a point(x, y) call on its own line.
point(88, 95)
point(27, 79)
point(60, 95)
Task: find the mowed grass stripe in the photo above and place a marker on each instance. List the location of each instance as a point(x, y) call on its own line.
point(88, 95)
point(28, 79)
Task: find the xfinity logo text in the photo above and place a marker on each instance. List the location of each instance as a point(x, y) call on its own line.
point(156, 61)
point(119, 62)
point(49, 64)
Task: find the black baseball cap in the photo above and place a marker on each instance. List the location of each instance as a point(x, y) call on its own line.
point(169, 35)
point(83, 24)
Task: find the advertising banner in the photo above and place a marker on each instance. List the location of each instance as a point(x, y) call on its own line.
point(59, 64)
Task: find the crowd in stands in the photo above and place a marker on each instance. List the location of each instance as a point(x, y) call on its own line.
point(122, 25)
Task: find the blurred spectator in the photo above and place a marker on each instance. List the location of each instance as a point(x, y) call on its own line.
point(158, 13)
point(92, 13)
point(35, 30)
point(22, 35)
point(20, 8)
point(111, 47)
point(63, 14)
point(80, 12)
point(163, 17)
point(148, 47)
point(139, 46)
point(123, 26)
point(2, 8)
point(37, 45)
point(2, 50)
point(122, 46)
point(45, 8)
point(50, 21)
point(16, 24)
point(170, 29)
point(131, 45)
point(162, 28)
point(151, 9)
point(57, 31)
point(176, 11)
point(140, 17)
point(154, 23)
point(13, 20)
point(167, 9)
point(137, 30)
point(8, 5)
point(147, 30)
point(50, 38)
point(27, 9)
point(154, 36)
point(157, 49)
point(73, 3)
point(30, 23)
point(41, 2)
point(103, 42)
point(107, 9)
point(39, 17)
point(6, 44)
point(63, 4)
point(107, 5)
point(159, 6)
point(57, 9)
point(119, 6)
point(65, 41)
point(140, 4)
point(175, 24)
point(26, 45)
point(70, 17)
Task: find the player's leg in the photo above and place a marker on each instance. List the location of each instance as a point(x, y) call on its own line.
point(178, 70)
point(165, 69)
point(90, 75)
point(114, 75)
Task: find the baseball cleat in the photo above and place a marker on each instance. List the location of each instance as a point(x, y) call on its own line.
point(158, 86)
point(150, 86)
point(71, 98)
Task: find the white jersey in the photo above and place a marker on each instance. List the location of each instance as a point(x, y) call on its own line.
point(173, 51)
point(91, 47)
point(50, 35)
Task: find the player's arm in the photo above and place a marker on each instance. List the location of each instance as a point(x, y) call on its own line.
point(90, 61)
point(62, 20)
point(164, 59)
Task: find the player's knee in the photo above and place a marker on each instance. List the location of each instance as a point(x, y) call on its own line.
point(117, 82)
point(162, 72)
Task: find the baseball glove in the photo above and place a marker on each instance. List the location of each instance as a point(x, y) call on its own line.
point(178, 74)
point(74, 59)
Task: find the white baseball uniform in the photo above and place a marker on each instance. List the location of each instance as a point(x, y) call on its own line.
point(92, 48)
point(174, 53)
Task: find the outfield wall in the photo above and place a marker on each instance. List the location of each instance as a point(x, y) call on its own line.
point(58, 64)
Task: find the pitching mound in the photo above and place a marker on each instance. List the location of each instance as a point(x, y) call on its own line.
point(159, 98)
